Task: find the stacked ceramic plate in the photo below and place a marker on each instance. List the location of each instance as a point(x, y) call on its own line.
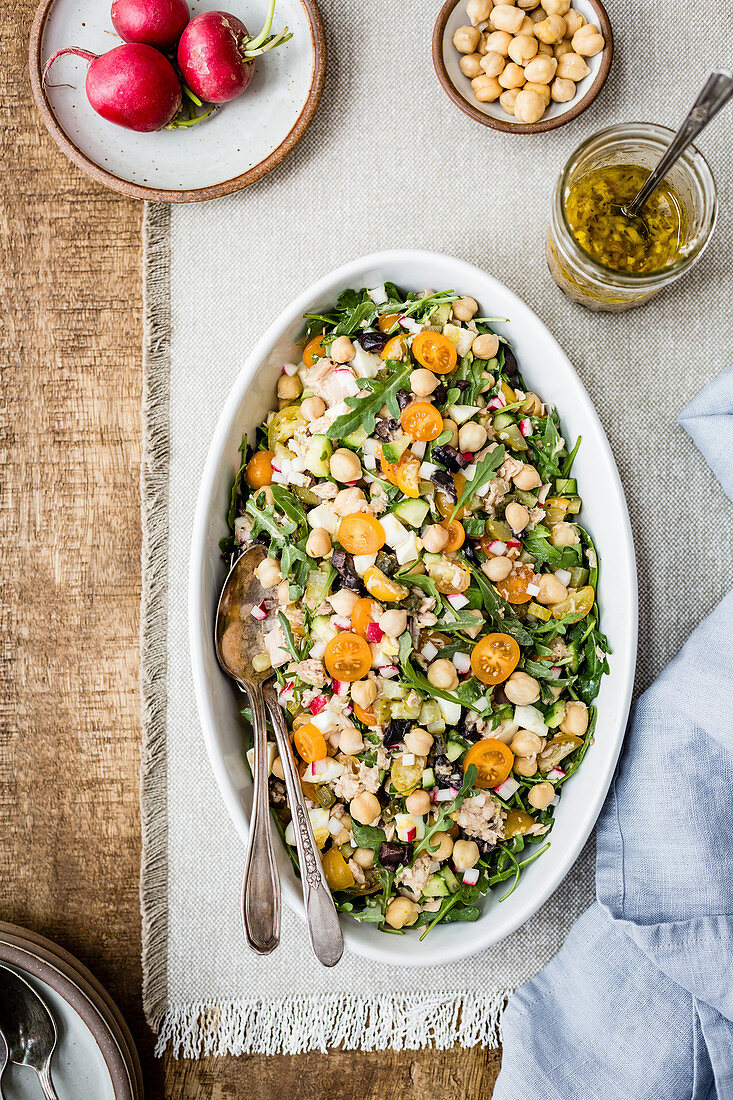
point(95, 1056)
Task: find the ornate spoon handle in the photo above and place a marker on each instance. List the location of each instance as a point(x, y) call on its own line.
point(261, 886)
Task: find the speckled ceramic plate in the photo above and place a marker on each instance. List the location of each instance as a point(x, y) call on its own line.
point(95, 1055)
point(238, 144)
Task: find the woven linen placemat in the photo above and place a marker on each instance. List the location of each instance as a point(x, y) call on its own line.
point(389, 161)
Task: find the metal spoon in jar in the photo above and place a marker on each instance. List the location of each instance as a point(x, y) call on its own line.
point(239, 638)
point(714, 96)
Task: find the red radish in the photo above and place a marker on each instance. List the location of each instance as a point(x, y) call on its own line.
point(132, 85)
point(158, 23)
point(216, 54)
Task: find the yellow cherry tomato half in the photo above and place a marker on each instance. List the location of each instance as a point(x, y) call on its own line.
point(367, 716)
point(456, 535)
point(422, 421)
point(493, 761)
point(339, 875)
point(407, 474)
point(313, 350)
point(382, 587)
point(517, 823)
point(434, 351)
point(364, 612)
point(347, 657)
point(360, 533)
point(445, 504)
point(310, 743)
point(494, 658)
point(577, 603)
point(259, 469)
point(387, 321)
point(514, 587)
point(395, 348)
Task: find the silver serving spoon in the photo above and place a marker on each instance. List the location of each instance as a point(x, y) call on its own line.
point(28, 1027)
point(239, 637)
point(4, 1056)
point(714, 96)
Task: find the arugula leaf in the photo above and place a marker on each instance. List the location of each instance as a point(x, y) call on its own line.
point(294, 563)
point(365, 408)
point(353, 321)
point(485, 471)
point(367, 836)
point(568, 463)
point(287, 503)
point(547, 446)
point(264, 520)
point(457, 620)
point(234, 497)
point(418, 580)
point(499, 611)
point(446, 809)
point(561, 557)
point(289, 639)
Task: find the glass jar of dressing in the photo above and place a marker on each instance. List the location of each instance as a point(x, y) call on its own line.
point(603, 260)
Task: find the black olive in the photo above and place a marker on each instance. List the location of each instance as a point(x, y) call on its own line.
point(499, 697)
point(343, 563)
point(382, 428)
point(403, 399)
point(393, 855)
point(448, 457)
point(372, 341)
point(511, 368)
point(483, 846)
point(447, 774)
point(446, 484)
point(469, 552)
point(461, 384)
point(263, 537)
point(395, 732)
point(440, 393)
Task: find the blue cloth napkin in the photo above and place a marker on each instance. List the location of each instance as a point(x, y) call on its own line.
point(638, 1004)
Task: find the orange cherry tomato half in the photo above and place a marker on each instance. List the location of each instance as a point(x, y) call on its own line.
point(310, 743)
point(395, 348)
point(383, 587)
point(494, 658)
point(365, 611)
point(367, 716)
point(446, 504)
point(493, 760)
point(407, 474)
point(360, 533)
point(388, 468)
point(259, 469)
point(314, 350)
point(387, 321)
point(347, 657)
point(514, 587)
point(422, 421)
point(434, 351)
point(456, 535)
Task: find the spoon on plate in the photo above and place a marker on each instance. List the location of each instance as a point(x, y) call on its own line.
point(4, 1056)
point(714, 96)
point(239, 637)
point(28, 1028)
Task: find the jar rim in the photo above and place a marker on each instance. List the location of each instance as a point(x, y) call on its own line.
point(695, 161)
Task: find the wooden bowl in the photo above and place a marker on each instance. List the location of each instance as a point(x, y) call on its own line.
point(239, 144)
point(446, 61)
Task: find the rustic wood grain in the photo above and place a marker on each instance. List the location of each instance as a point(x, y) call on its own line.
point(69, 614)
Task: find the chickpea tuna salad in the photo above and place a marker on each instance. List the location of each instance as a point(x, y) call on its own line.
point(431, 605)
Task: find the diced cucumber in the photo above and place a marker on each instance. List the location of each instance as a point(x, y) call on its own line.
point(319, 451)
point(566, 486)
point(440, 314)
point(356, 438)
point(574, 505)
point(402, 709)
point(428, 778)
point(450, 879)
point(432, 557)
point(323, 629)
point(453, 750)
point(394, 450)
point(499, 529)
point(539, 611)
point(431, 716)
point(474, 527)
point(528, 499)
point(555, 714)
point(574, 656)
point(436, 887)
point(503, 420)
point(578, 576)
point(392, 689)
point(412, 511)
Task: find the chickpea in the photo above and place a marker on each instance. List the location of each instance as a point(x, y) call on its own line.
point(349, 500)
point(486, 88)
point(522, 689)
point(527, 5)
point(422, 382)
point(522, 49)
point(575, 719)
point(442, 674)
point(526, 743)
point(527, 27)
point(444, 842)
point(418, 803)
point(517, 516)
point(364, 692)
point(363, 857)
point(563, 90)
point(318, 544)
point(268, 573)
point(532, 404)
point(542, 90)
point(466, 39)
point(588, 41)
point(525, 766)
point(506, 18)
point(470, 64)
point(573, 21)
point(481, 48)
point(344, 465)
point(393, 622)
point(527, 478)
point(313, 408)
point(289, 386)
point(418, 740)
point(401, 912)
point(551, 30)
point(541, 69)
point(350, 741)
point(563, 534)
point(508, 98)
point(451, 426)
point(474, 631)
point(435, 538)
point(486, 345)
point(498, 42)
point(497, 569)
point(277, 768)
point(556, 7)
point(465, 308)
point(471, 437)
point(510, 3)
point(465, 854)
point(545, 50)
point(492, 64)
point(541, 795)
point(343, 601)
point(572, 67)
point(551, 590)
point(561, 48)
point(537, 15)
point(365, 808)
point(512, 76)
point(478, 11)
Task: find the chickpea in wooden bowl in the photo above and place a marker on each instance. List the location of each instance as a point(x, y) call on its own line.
point(519, 66)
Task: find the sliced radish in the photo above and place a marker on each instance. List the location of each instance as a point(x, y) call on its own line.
point(462, 662)
point(514, 544)
point(556, 672)
point(258, 612)
point(470, 877)
point(525, 427)
point(340, 687)
point(318, 704)
point(555, 774)
point(429, 651)
point(497, 547)
point(563, 575)
point(388, 671)
point(457, 600)
point(508, 788)
point(341, 622)
point(447, 794)
point(290, 369)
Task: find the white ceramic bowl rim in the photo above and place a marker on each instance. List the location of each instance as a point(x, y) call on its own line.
point(361, 938)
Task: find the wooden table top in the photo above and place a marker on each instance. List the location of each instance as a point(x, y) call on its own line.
point(70, 350)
